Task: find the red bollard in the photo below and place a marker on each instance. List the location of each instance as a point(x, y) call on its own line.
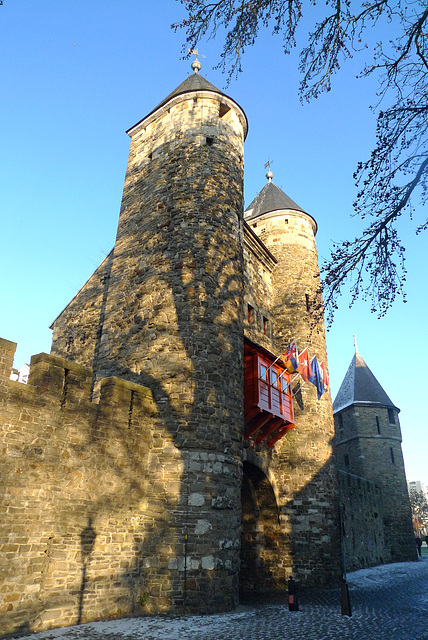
point(293, 604)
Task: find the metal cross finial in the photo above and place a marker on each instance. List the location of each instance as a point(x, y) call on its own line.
point(196, 65)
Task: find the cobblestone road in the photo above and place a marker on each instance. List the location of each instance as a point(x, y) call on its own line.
point(388, 603)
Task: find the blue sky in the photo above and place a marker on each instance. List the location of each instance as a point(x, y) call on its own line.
point(76, 75)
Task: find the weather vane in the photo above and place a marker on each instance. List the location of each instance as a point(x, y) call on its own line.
point(269, 174)
point(195, 52)
point(196, 65)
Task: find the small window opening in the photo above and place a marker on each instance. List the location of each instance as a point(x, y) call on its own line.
point(391, 416)
point(308, 302)
point(254, 225)
point(286, 221)
point(210, 141)
point(265, 325)
point(223, 110)
point(377, 424)
point(195, 101)
point(340, 421)
point(251, 314)
point(392, 455)
point(346, 461)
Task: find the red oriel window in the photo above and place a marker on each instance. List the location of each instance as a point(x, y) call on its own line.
point(268, 401)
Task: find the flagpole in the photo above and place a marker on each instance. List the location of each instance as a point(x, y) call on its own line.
point(280, 356)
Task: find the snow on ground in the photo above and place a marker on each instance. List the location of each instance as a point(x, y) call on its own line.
point(385, 574)
point(155, 628)
point(247, 618)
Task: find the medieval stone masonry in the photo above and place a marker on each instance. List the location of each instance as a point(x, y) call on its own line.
point(154, 461)
point(374, 499)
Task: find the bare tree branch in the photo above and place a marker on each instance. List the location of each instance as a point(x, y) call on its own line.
point(397, 170)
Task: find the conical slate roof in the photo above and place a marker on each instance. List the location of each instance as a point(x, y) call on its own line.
point(270, 198)
point(360, 386)
point(194, 82)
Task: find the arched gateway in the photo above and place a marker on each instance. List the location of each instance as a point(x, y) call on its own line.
point(260, 533)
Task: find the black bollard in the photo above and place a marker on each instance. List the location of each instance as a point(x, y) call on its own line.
point(345, 601)
point(293, 604)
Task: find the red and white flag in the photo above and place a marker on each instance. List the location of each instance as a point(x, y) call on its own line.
point(324, 375)
point(304, 367)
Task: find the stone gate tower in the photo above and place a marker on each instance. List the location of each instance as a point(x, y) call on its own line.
point(156, 450)
point(170, 318)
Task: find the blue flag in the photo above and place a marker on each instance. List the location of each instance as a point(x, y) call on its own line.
point(316, 377)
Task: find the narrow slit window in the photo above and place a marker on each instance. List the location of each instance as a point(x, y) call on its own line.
point(377, 424)
point(251, 314)
point(308, 302)
point(265, 325)
point(346, 461)
point(392, 455)
point(391, 416)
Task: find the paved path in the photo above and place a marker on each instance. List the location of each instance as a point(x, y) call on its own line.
point(388, 603)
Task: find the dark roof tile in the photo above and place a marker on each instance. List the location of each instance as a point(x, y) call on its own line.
point(360, 386)
point(270, 198)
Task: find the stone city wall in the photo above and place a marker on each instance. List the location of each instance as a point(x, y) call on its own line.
point(87, 523)
point(364, 543)
point(368, 444)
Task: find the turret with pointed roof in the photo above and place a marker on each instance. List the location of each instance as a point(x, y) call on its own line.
point(360, 386)
point(288, 231)
point(271, 198)
point(368, 445)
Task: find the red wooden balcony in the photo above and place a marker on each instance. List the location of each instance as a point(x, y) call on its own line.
point(268, 402)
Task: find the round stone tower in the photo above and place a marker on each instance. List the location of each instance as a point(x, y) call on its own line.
point(368, 445)
point(303, 460)
point(172, 321)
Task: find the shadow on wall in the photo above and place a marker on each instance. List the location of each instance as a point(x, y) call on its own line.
point(87, 541)
point(288, 538)
point(129, 498)
point(120, 467)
